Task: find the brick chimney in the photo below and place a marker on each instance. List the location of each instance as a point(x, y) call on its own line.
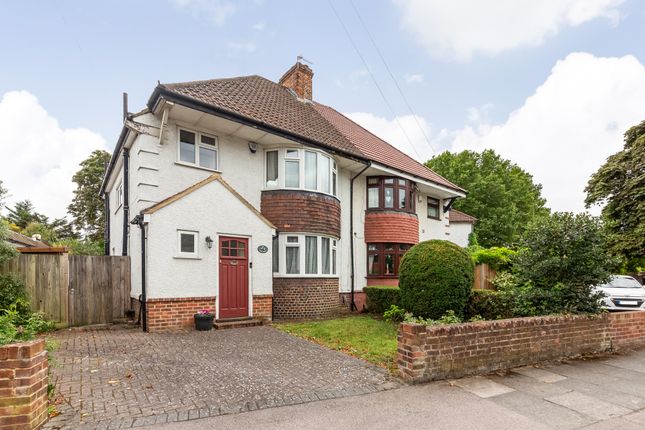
point(298, 78)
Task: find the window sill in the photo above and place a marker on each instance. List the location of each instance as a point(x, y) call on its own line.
point(195, 166)
point(187, 257)
point(278, 275)
point(382, 276)
point(302, 190)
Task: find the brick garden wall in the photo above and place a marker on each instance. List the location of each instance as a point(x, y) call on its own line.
point(301, 298)
point(263, 307)
point(176, 313)
point(23, 385)
point(451, 351)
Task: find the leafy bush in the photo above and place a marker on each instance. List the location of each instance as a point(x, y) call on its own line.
point(13, 292)
point(15, 328)
point(496, 258)
point(435, 277)
point(394, 314)
point(381, 298)
point(490, 305)
point(448, 318)
point(7, 252)
point(560, 260)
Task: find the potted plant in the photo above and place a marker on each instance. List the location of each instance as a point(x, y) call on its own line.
point(204, 319)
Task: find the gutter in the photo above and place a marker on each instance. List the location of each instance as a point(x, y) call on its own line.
point(106, 230)
point(352, 305)
point(126, 199)
point(141, 221)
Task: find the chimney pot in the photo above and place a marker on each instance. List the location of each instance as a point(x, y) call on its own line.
point(299, 78)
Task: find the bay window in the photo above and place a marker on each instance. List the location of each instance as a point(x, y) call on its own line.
point(318, 253)
point(388, 193)
point(383, 258)
point(309, 170)
point(197, 148)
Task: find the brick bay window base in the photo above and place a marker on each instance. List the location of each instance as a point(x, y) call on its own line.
point(263, 307)
point(304, 298)
point(176, 313)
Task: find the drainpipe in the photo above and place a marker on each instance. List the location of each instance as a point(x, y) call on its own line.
point(106, 229)
point(352, 305)
point(126, 199)
point(139, 220)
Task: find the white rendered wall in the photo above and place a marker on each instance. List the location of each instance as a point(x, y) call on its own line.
point(459, 232)
point(430, 228)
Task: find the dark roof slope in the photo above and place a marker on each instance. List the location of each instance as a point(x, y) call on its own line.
point(457, 216)
point(20, 239)
point(271, 104)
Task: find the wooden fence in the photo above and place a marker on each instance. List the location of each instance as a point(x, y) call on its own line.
point(483, 276)
point(75, 289)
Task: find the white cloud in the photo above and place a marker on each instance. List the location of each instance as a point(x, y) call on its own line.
point(37, 156)
point(569, 126)
point(247, 47)
point(413, 78)
point(259, 26)
point(415, 144)
point(216, 11)
point(458, 29)
point(479, 114)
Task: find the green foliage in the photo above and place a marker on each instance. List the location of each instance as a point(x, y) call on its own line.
point(3, 195)
point(13, 328)
point(14, 293)
point(7, 252)
point(434, 277)
point(448, 318)
point(501, 195)
point(83, 246)
point(619, 184)
point(381, 298)
point(496, 258)
point(87, 208)
point(24, 213)
point(394, 314)
point(490, 305)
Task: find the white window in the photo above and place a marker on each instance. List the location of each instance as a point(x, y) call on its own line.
point(198, 148)
point(119, 195)
point(306, 255)
point(187, 243)
point(303, 169)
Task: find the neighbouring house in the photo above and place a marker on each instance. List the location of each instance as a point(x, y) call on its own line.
point(31, 245)
point(461, 225)
point(248, 197)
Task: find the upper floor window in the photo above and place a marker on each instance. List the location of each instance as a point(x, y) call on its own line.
point(119, 195)
point(434, 208)
point(390, 193)
point(198, 148)
point(301, 169)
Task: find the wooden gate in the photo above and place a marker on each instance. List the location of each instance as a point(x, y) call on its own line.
point(75, 289)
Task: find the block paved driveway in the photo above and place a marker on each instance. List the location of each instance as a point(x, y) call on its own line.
point(122, 378)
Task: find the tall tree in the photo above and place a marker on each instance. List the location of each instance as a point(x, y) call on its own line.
point(501, 195)
point(87, 208)
point(619, 185)
point(3, 195)
point(24, 213)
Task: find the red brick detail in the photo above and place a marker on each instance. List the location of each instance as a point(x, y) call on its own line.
point(302, 211)
point(393, 227)
point(303, 298)
point(175, 313)
point(453, 351)
point(389, 281)
point(263, 307)
point(299, 78)
point(359, 300)
point(23, 385)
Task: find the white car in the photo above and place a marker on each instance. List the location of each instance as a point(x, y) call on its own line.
point(622, 293)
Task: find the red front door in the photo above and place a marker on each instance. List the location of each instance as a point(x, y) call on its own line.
point(233, 277)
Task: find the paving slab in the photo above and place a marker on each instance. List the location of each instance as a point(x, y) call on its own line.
point(588, 406)
point(607, 393)
point(538, 374)
point(481, 386)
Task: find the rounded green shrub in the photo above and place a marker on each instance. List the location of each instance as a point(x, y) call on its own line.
point(435, 277)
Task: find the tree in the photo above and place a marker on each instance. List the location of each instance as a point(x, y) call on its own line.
point(7, 252)
point(562, 257)
point(3, 195)
point(24, 213)
point(501, 195)
point(87, 208)
point(619, 184)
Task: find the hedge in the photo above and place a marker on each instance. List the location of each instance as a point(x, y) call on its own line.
point(380, 298)
point(490, 305)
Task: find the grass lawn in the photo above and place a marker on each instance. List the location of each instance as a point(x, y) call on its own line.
point(362, 336)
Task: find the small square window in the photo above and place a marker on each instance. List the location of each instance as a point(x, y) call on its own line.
point(187, 243)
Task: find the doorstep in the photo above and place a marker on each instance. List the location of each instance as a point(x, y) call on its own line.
point(237, 323)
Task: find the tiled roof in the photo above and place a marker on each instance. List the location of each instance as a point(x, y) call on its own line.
point(266, 102)
point(25, 241)
point(456, 216)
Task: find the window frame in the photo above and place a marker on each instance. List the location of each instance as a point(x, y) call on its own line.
point(182, 254)
point(119, 195)
point(381, 252)
point(409, 188)
point(436, 205)
point(283, 244)
point(198, 144)
point(331, 170)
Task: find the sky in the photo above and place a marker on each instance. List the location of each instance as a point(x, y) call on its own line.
point(550, 85)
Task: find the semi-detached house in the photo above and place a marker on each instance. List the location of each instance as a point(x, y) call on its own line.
point(248, 197)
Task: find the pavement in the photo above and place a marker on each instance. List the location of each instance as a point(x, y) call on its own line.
point(124, 378)
point(600, 393)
